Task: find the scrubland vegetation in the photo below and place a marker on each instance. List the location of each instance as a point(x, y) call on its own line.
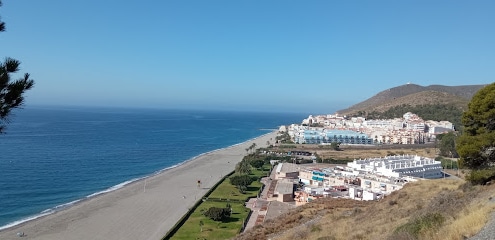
point(428, 209)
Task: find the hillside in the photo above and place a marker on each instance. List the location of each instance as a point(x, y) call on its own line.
point(428, 209)
point(412, 94)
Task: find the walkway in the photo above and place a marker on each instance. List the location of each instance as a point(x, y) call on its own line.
point(259, 206)
point(263, 209)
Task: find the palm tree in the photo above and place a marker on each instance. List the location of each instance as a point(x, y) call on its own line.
point(253, 146)
point(243, 167)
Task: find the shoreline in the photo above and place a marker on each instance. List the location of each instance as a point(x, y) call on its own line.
point(64, 206)
point(55, 223)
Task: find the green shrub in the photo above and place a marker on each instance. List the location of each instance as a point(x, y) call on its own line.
point(420, 225)
point(241, 180)
point(218, 214)
point(258, 163)
point(335, 161)
point(315, 228)
point(304, 161)
point(481, 176)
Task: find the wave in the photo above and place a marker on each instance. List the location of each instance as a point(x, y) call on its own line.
point(268, 129)
point(116, 187)
point(42, 214)
point(67, 205)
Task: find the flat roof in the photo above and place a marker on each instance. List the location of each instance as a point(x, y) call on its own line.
point(284, 187)
point(289, 167)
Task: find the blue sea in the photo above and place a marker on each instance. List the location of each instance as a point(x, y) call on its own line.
point(52, 157)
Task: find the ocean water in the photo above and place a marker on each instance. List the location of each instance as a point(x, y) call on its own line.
point(50, 158)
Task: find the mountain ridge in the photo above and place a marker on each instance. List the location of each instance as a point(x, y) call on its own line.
point(413, 94)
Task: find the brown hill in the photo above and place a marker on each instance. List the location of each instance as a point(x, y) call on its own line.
point(428, 209)
point(413, 95)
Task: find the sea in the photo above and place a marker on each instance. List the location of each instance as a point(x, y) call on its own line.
point(54, 157)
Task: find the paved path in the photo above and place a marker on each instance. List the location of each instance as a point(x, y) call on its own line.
point(258, 206)
point(261, 208)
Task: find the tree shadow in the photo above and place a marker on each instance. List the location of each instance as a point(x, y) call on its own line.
point(230, 219)
point(252, 188)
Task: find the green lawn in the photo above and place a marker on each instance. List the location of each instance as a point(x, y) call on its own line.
point(213, 229)
point(259, 172)
point(227, 191)
point(221, 230)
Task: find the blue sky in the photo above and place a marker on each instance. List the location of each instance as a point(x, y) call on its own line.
point(298, 56)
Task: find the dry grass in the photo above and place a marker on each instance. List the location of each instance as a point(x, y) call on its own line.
point(430, 209)
point(469, 221)
point(352, 152)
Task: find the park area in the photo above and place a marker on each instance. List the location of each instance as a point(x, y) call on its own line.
point(225, 196)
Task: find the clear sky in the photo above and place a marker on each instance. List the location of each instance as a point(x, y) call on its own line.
point(298, 56)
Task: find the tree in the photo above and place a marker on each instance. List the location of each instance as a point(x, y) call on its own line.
point(447, 145)
point(252, 147)
point(243, 167)
point(218, 214)
point(11, 92)
point(257, 163)
point(476, 145)
point(241, 180)
point(335, 146)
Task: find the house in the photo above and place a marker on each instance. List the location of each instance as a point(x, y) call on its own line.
point(284, 191)
point(287, 170)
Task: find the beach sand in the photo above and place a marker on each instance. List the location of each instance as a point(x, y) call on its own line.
point(145, 209)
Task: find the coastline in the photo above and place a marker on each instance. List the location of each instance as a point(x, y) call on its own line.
point(142, 208)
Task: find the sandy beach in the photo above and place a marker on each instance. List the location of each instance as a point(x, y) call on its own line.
point(145, 209)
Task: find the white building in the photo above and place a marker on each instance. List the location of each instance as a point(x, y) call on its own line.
point(399, 166)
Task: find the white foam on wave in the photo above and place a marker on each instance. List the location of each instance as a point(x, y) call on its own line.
point(113, 188)
point(42, 214)
point(67, 205)
point(62, 206)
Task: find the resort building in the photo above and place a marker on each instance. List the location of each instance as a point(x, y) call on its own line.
point(361, 179)
point(435, 128)
point(391, 124)
point(309, 194)
point(327, 136)
point(400, 166)
point(367, 179)
point(410, 129)
point(442, 124)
